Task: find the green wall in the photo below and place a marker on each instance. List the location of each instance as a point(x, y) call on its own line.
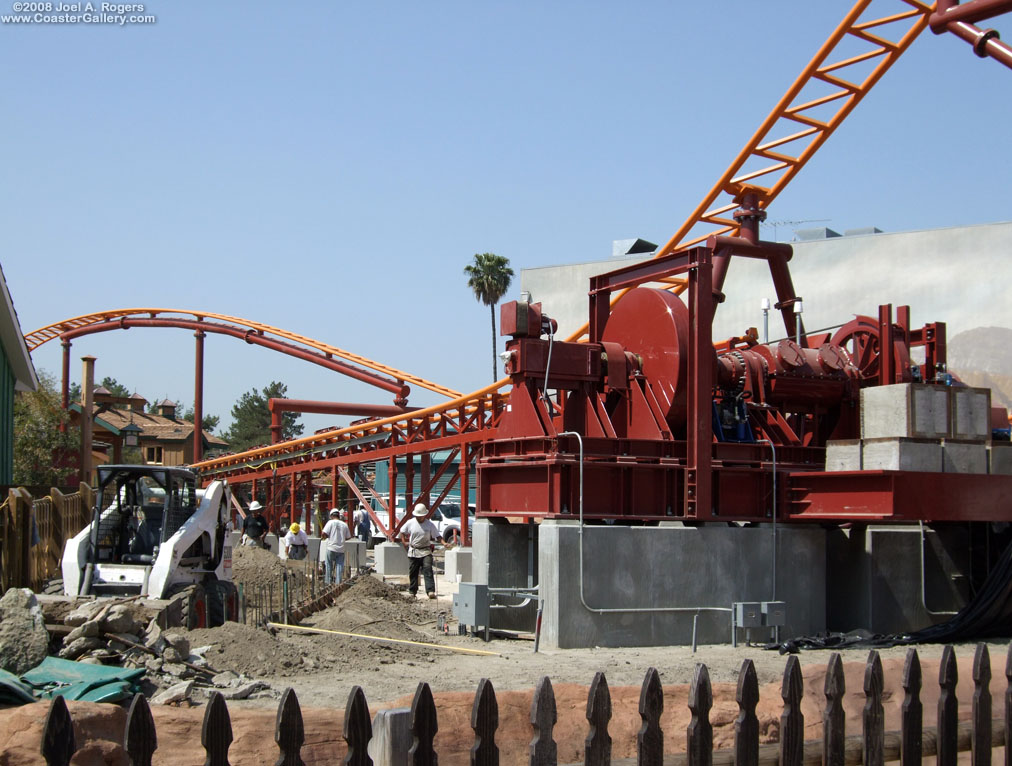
point(6, 420)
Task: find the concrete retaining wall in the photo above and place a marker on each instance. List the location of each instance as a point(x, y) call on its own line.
point(673, 566)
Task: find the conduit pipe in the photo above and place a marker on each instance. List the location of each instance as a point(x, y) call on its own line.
point(624, 610)
point(924, 590)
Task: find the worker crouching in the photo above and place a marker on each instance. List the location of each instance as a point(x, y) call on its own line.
point(420, 535)
point(296, 543)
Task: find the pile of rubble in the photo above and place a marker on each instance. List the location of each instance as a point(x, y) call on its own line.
point(127, 634)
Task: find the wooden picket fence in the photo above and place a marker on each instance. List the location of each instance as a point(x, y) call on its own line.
point(57, 517)
point(873, 747)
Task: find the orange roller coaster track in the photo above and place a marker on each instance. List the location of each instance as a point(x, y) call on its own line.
point(254, 333)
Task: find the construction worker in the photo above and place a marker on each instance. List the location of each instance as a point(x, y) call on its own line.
point(420, 535)
point(335, 532)
point(363, 525)
point(296, 543)
point(254, 526)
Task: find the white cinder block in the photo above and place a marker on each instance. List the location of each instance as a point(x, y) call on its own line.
point(971, 413)
point(905, 411)
point(843, 455)
point(964, 457)
point(902, 455)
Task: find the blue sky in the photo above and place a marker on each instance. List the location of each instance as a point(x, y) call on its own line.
point(330, 168)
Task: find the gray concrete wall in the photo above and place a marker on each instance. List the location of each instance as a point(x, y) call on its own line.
point(500, 560)
point(874, 577)
point(673, 566)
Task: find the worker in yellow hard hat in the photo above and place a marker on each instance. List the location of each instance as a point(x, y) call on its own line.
point(296, 543)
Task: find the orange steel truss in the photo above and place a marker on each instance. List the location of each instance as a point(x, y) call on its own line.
point(791, 135)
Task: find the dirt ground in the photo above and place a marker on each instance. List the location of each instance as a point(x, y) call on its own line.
point(323, 668)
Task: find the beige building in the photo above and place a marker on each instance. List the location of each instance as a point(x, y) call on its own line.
point(164, 439)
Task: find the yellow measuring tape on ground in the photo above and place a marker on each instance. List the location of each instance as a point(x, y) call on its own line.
point(462, 649)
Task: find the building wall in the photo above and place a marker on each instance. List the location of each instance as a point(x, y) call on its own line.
point(6, 420)
point(953, 275)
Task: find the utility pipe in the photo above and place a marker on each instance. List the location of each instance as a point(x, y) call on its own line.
point(279, 406)
point(924, 590)
point(624, 610)
point(198, 397)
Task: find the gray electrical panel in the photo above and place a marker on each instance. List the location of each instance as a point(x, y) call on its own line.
point(470, 604)
point(747, 614)
point(774, 613)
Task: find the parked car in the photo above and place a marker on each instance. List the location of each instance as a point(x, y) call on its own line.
point(446, 518)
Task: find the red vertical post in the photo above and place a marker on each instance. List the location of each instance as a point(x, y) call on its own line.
point(409, 482)
point(699, 446)
point(392, 491)
point(65, 390)
point(293, 486)
point(886, 339)
point(465, 493)
point(198, 397)
point(426, 475)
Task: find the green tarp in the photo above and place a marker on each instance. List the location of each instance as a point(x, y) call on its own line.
point(82, 681)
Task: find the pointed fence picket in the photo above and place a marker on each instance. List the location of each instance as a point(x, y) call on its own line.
point(872, 747)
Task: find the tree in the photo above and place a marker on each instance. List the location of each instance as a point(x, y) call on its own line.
point(251, 419)
point(207, 422)
point(114, 387)
point(489, 276)
point(43, 454)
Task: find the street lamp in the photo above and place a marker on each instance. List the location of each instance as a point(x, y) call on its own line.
point(131, 434)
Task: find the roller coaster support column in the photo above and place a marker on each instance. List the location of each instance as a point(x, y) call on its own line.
point(65, 386)
point(465, 494)
point(198, 398)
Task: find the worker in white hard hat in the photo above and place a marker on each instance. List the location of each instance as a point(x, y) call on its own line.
point(335, 532)
point(254, 526)
point(420, 535)
point(296, 543)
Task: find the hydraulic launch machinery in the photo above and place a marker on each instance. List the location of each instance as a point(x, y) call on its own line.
point(648, 420)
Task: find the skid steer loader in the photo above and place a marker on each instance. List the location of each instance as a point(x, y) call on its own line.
point(155, 535)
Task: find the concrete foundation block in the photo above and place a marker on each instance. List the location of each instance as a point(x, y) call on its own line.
point(391, 559)
point(458, 564)
point(874, 577)
point(964, 457)
point(354, 554)
point(843, 455)
point(905, 411)
point(506, 555)
point(901, 455)
point(697, 572)
point(971, 413)
point(999, 458)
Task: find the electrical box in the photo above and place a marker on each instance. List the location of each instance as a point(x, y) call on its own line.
point(747, 614)
point(774, 613)
point(470, 604)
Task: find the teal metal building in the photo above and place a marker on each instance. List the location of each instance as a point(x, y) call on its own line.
point(17, 373)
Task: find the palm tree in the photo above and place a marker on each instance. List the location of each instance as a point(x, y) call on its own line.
point(489, 276)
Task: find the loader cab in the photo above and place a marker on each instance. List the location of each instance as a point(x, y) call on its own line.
point(137, 509)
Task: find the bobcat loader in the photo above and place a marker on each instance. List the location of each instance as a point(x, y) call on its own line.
point(155, 535)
